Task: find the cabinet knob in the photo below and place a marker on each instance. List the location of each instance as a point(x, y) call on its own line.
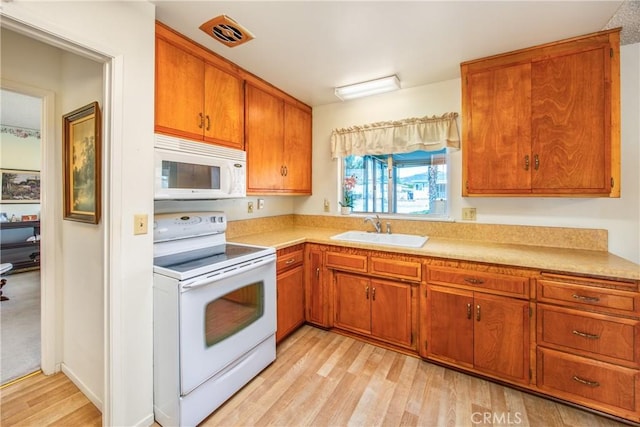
point(473, 280)
point(201, 120)
point(526, 162)
point(468, 310)
point(536, 162)
point(208, 122)
point(366, 292)
point(373, 294)
point(318, 272)
point(478, 312)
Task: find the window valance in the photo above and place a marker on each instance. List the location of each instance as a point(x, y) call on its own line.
point(403, 136)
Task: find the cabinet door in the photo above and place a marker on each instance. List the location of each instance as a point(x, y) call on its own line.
point(571, 140)
point(179, 91)
point(264, 136)
point(316, 298)
point(353, 303)
point(223, 108)
point(391, 314)
point(497, 114)
point(501, 336)
point(449, 324)
point(297, 150)
point(290, 301)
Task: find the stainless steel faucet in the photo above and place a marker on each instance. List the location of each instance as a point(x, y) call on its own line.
point(376, 223)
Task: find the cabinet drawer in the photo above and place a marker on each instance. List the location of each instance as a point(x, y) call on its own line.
point(569, 376)
point(501, 283)
point(289, 260)
point(589, 297)
point(596, 335)
point(346, 261)
point(407, 270)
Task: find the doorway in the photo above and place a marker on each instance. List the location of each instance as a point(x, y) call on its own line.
point(20, 167)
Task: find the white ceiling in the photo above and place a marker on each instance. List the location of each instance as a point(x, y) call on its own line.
point(307, 48)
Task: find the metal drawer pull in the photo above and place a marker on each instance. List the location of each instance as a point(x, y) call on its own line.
point(526, 162)
point(478, 313)
point(469, 311)
point(473, 280)
point(585, 335)
point(290, 261)
point(373, 294)
point(318, 272)
point(366, 292)
point(200, 120)
point(586, 382)
point(587, 299)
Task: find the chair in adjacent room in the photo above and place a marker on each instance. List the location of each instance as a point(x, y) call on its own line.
point(4, 268)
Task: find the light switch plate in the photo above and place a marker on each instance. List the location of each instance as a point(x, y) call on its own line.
point(140, 222)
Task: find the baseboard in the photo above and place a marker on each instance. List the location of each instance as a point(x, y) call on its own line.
point(83, 388)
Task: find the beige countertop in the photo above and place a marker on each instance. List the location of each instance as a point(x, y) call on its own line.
point(589, 262)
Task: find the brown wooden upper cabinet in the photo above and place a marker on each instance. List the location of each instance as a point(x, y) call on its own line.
point(198, 96)
point(544, 121)
point(278, 144)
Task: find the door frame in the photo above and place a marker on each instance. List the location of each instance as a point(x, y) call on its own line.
point(49, 232)
point(113, 343)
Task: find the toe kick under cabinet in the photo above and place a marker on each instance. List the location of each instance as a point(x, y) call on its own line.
point(588, 342)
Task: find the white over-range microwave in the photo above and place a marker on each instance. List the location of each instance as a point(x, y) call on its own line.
point(189, 170)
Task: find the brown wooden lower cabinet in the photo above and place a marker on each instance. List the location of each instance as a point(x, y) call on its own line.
point(595, 384)
point(317, 301)
point(380, 309)
point(488, 333)
point(290, 291)
point(573, 338)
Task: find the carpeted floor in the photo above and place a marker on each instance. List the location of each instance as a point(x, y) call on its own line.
point(20, 326)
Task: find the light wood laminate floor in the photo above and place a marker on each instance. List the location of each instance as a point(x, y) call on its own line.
point(325, 379)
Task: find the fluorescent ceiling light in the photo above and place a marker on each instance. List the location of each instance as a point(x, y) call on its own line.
point(372, 87)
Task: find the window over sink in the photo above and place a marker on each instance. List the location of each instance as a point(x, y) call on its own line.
point(414, 183)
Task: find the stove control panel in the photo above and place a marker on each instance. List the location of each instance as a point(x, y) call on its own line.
point(180, 225)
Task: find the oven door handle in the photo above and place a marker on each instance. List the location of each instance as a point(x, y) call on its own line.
point(232, 271)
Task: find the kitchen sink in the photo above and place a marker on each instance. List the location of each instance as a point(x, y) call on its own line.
point(404, 240)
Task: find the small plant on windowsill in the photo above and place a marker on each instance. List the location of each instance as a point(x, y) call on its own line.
point(347, 194)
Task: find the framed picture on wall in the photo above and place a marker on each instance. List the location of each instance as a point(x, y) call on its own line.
point(82, 159)
point(20, 186)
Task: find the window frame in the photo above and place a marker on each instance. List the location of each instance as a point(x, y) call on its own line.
point(390, 191)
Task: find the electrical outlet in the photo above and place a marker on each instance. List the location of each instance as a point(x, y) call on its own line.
point(327, 205)
point(140, 224)
point(469, 214)
point(250, 207)
point(260, 203)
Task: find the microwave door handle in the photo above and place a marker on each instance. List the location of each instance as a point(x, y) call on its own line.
point(229, 179)
point(226, 274)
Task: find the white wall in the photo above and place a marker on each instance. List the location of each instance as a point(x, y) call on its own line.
point(621, 217)
point(120, 261)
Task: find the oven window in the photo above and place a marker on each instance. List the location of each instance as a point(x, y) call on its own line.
point(233, 312)
point(189, 175)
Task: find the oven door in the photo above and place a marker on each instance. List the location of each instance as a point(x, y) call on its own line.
point(223, 316)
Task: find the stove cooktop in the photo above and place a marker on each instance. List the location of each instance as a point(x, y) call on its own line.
point(193, 263)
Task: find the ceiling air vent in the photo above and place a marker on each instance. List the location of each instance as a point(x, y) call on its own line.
point(226, 31)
